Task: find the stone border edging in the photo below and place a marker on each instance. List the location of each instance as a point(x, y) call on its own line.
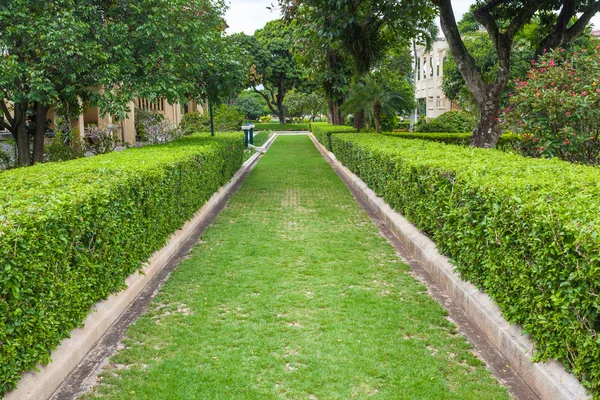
point(71, 351)
point(548, 380)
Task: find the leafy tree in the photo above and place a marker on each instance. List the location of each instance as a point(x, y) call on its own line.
point(251, 104)
point(362, 31)
point(273, 71)
point(99, 53)
point(300, 104)
point(481, 48)
point(375, 99)
point(503, 20)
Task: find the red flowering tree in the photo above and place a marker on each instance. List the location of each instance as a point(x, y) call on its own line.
point(556, 110)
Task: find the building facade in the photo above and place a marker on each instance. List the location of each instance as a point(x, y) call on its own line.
point(429, 69)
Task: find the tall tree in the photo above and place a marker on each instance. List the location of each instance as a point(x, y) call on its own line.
point(274, 70)
point(363, 30)
point(100, 53)
point(503, 19)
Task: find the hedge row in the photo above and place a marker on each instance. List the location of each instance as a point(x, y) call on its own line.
point(260, 126)
point(323, 131)
point(525, 231)
point(70, 233)
point(505, 143)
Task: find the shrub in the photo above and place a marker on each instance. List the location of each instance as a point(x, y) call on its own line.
point(103, 139)
point(403, 126)
point(323, 131)
point(228, 119)
point(194, 122)
point(450, 121)
point(507, 142)
point(142, 118)
point(280, 127)
point(265, 119)
point(557, 108)
point(162, 132)
point(523, 230)
point(70, 233)
point(64, 146)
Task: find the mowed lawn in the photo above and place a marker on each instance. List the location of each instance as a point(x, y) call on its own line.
point(293, 294)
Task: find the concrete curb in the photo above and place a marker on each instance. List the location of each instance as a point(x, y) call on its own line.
point(71, 351)
point(548, 380)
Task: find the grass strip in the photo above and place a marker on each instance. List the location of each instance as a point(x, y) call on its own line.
point(263, 126)
point(293, 293)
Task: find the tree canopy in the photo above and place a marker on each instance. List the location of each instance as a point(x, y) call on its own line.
point(561, 22)
point(101, 53)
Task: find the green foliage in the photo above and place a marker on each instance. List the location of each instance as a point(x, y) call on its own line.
point(90, 223)
point(525, 231)
point(251, 104)
point(324, 130)
point(556, 109)
point(507, 142)
point(372, 96)
point(228, 119)
point(450, 121)
point(272, 64)
point(65, 51)
point(195, 122)
point(260, 126)
point(300, 104)
point(143, 118)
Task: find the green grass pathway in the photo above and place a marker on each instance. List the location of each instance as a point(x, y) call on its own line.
point(294, 294)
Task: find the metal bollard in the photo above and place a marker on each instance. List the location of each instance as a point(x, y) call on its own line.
point(246, 130)
point(251, 134)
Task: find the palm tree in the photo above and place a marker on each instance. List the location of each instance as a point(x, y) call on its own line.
point(372, 96)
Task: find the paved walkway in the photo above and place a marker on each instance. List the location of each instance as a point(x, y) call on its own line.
point(294, 294)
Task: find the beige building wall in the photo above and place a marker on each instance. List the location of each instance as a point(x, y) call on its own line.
point(428, 79)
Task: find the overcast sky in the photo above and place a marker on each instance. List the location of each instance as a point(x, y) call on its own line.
point(249, 15)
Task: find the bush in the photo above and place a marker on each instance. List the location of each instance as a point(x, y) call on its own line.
point(557, 109)
point(450, 121)
point(523, 230)
point(265, 119)
point(323, 131)
point(404, 126)
point(228, 119)
point(280, 127)
point(194, 122)
point(507, 142)
point(163, 132)
point(71, 232)
point(142, 118)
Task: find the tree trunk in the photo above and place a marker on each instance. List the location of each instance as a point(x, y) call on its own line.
point(20, 133)
point(40, 130)
point(335, 113)
point(487, 133)
point(377, 117)
point(359, 120)
point(281, 113)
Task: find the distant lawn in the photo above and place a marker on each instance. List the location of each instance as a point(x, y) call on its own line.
point(260, 139)
point(294, 294)
point(280, 127)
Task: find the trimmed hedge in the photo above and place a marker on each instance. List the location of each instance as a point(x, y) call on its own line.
point(506, 142)
point(323, 131)
point(259, 126)
point(70, 233)
point(525, 231)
